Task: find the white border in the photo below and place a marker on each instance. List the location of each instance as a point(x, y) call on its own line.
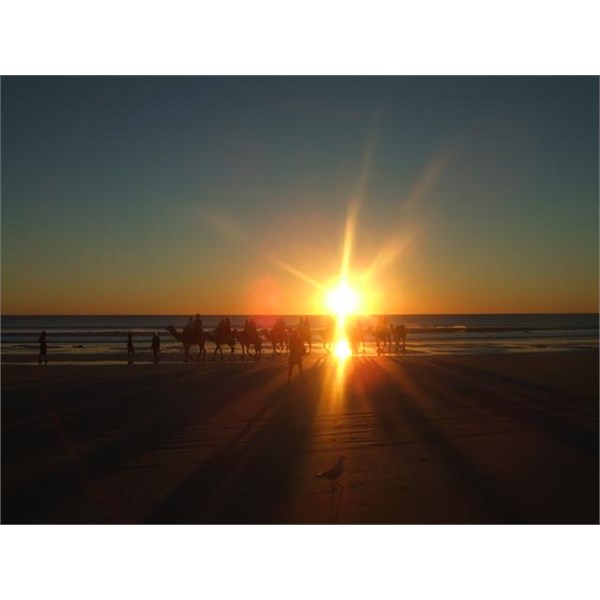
point(310, 37)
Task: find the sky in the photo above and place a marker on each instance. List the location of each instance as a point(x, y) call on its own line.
point(246, 195)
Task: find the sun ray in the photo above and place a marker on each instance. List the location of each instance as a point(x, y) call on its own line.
point(286, 267)
point(231, 229)
point(387, 253)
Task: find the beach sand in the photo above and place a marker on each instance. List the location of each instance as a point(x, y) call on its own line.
point(498, 438)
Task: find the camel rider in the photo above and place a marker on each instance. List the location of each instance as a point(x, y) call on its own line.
point(280, 326)
point(220, 327)
point(252, 328)
point(188, 328)
point(197, 324)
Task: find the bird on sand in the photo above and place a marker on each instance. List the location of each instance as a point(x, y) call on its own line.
point(334, 473)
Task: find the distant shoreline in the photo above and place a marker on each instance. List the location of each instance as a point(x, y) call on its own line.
point(298, 315)
point(101, 338)
point(174, 356)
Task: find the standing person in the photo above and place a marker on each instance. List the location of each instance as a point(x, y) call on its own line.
point(402, 335)
point(360, 333)
point(296, 353)
point(304, 332)
point(130, 349)
point(156, 347)
point(43, 349)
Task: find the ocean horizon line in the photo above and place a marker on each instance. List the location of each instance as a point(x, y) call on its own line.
point(306, 314)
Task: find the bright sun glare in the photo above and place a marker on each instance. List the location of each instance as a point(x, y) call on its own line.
point(342, 300)
point(342, 349)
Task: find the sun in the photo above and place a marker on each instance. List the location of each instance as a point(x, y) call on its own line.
point(342, 300)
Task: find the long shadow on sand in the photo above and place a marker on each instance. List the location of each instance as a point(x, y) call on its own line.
point(249, 483)
point(531, 403)
point(406, 385)
point(119, 430)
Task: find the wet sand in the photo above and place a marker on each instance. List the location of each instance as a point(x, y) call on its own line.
point(498, 438)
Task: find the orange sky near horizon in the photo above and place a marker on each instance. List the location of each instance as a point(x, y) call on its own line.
point(411, 273)
point(271, 291)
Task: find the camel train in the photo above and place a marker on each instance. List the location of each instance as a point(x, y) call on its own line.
point(387, 337)
point(249, 338)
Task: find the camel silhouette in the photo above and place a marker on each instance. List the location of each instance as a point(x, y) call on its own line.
point(188, 339)
point(221, 337)
point(399, 335)
point(247, 339)
point(383, 337)
point(278, 337)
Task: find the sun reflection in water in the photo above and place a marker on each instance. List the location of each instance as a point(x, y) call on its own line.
point(342, 350)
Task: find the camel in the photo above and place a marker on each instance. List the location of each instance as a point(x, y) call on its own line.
point(190, 338)
point(247, 339)
point(383, 339)
point(399, 335)
point(356, 336)
point(278, 337)
point(221, 337)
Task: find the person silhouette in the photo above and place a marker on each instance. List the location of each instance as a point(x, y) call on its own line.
point(328, 333)
point(43, 349)
point(130, 349)
point(156, 347)
point(197, 325)
point(296, 353)
point(253, 329)
point(402, 336)
point(360, 334)
point(189, 326)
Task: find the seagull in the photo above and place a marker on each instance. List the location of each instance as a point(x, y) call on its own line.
point(334, 473)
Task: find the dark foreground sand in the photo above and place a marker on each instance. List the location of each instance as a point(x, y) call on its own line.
point(454, 439)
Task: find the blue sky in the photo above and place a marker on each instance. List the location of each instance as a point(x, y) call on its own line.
point(177, 195)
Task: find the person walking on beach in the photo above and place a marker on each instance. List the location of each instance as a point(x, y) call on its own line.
point(43, 349)
point(296, 354)
point(156, 347)
point(130, 349)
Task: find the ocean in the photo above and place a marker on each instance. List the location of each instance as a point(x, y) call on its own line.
point(99, 339)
